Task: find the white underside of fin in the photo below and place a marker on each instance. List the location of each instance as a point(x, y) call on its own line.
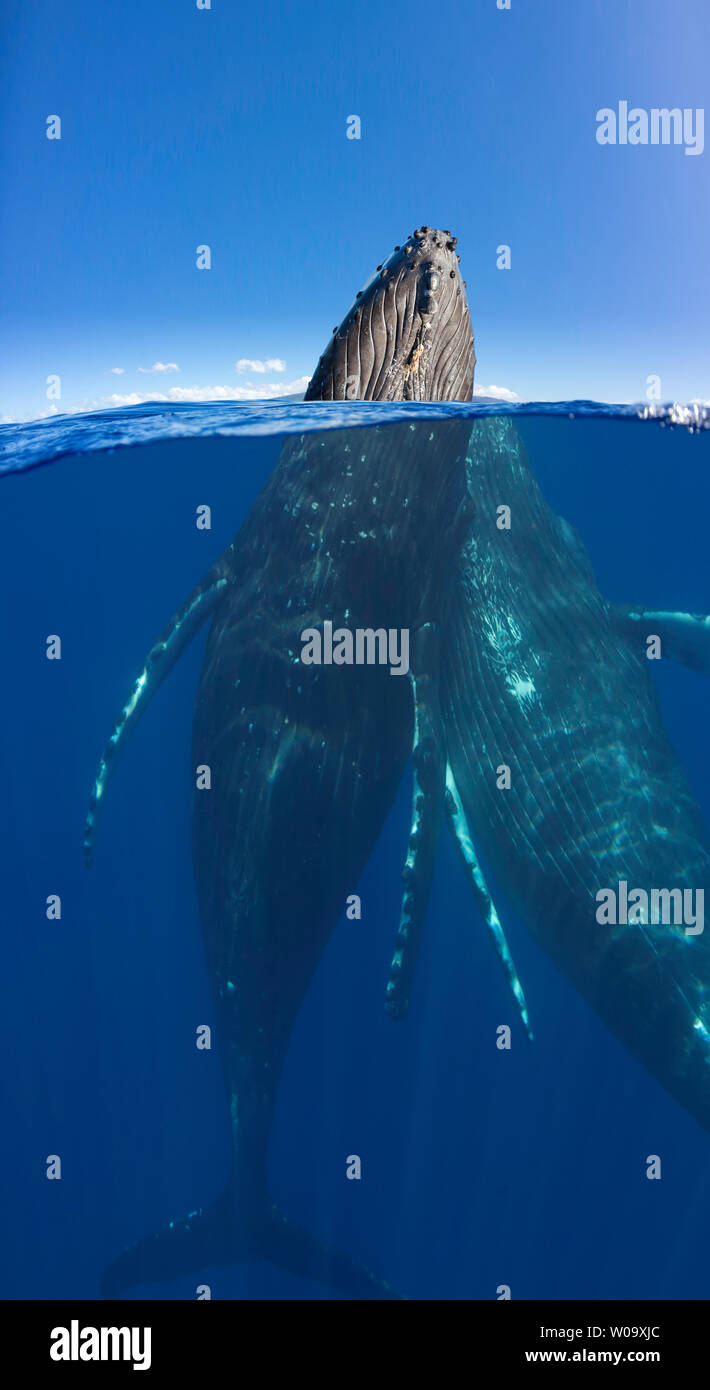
point(462, 834)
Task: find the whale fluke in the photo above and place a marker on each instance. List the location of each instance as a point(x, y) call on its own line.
point(218, 1235)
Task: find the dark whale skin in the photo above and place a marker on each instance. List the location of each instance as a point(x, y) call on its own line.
point(306, 760)
point(304, 764)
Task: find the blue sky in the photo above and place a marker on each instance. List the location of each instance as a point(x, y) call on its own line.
point(227, 127)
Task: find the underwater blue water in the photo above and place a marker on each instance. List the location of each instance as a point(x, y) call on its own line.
point(479, 1167)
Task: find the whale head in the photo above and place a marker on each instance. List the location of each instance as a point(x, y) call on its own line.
point(407, 336)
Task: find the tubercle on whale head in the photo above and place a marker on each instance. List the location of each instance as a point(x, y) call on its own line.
point(407, 334)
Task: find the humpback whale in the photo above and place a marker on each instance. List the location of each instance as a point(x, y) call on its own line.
point(541, 675)
point(354, 527)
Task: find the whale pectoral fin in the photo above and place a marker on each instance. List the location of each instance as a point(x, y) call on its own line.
point(429, 785)
point(161, 658)
point(685, 637)
point(458, 825)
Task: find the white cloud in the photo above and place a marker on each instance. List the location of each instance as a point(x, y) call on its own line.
point(37, 415)
point(118, 371)
point(269, 391)
point(249, 364)
point(500, 393)
point(77, 409)
point(160, 367)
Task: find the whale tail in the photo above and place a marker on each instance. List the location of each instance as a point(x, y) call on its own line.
point(213, 1236)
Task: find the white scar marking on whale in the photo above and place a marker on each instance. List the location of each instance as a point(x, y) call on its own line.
point(522, 688)
point(504, 637)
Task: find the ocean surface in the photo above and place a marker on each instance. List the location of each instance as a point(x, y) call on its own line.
point(479, 1168)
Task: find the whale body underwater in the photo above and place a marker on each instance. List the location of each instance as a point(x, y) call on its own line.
point(515, 659)
point(305, 760)
point(543, 676)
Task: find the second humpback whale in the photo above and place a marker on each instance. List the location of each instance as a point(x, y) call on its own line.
point(354, 527)
point(544, 678)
